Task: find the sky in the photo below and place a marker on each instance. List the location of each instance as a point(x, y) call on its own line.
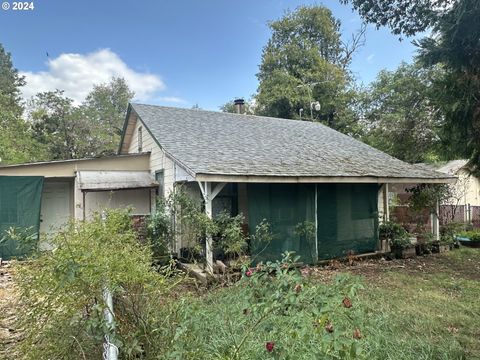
point(171, 52)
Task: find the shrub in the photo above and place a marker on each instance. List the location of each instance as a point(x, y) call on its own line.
point(61, 291)
point(448, 232)
point(396, 234)
point(229, 237)
point(390, 230)
point(473, 235)
point(272, 313)
point(181, 216)
point(160, 230)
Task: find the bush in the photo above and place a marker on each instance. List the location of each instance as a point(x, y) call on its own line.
point(390, 230)
point(448, 232)
point(229, 237)
point(473, 235)
point(272, 313)
point(160, 230)
point(396, 234)
point(180, 216)
point(61, 291)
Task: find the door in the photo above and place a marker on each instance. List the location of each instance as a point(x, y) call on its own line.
point(56, 208)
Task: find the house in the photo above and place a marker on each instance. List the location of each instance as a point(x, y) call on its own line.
point(464, 203)
point(45, 195)
point(467, 188)
point(285, 171)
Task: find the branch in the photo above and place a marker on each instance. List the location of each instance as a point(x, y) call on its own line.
point(351, 47)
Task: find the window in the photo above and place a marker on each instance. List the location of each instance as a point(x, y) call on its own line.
point(159, 177)
point(140, 139)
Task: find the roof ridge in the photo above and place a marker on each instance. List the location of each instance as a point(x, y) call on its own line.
point(236, 114)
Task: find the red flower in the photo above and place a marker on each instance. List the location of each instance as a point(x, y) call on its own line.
point(249, 273)
point(269, 345)
point(347, 303)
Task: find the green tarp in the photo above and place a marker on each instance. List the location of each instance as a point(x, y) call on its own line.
point(20, 201)
point(346, 220)
point(286, 207)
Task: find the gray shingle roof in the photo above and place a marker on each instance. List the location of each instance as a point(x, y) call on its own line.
point(208, 142)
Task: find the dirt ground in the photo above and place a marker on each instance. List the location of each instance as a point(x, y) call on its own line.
point(373, 269)
point(9, 335)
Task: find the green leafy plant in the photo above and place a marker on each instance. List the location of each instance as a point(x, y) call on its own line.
point(307, 232)
point(391, 230)
point(61, 291)
point(396, 234)
point(473, 235)
point(26, 239)
point(230, 237)
point(448, 232)
point(400, 243)
point(273, 312)
point(160, 230)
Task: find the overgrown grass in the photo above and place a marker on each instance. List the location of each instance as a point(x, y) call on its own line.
point(426, 315)
point(403, 313)
point(426, 308)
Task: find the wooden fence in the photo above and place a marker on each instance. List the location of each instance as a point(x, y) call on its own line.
point(466, 214)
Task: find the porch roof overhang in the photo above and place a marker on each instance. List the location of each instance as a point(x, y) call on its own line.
point(114, 180)
point(323, 179)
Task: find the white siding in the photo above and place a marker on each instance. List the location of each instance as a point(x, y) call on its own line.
point(468, 188)
point(158, 159)
point(137, 199)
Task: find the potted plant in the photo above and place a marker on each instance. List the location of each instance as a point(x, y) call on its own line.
point(426, 244)
point(398, 239)
point(402, 247)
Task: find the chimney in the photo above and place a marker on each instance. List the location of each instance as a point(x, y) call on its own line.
point(239, 105)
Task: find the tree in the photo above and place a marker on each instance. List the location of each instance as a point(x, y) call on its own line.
point(400, 114)
point(105, 108)
point(16, 142)
point(456, 47)
point(10, 83)
point(60, 126)
point(453, 44)
point(89, 130)
point(305, 61)
point(401, 16)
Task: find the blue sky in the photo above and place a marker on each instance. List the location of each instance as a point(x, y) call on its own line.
point(176, 53)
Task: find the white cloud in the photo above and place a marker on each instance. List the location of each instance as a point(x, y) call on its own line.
point(370, 58)
point(171, 99)
point(77, 73)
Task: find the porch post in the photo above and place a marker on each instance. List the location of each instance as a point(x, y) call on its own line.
point(208, 195)
point(208, 242)
point(386, 207)
point(435, 223)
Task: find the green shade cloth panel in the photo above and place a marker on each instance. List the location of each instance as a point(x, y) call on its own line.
point(285, 207)
point(347, 217)
point(346, 220)
point(20, 202)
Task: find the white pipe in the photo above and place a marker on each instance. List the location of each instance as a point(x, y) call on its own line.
point(110, 351)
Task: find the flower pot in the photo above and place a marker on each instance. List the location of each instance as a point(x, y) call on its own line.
point(443, 248)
